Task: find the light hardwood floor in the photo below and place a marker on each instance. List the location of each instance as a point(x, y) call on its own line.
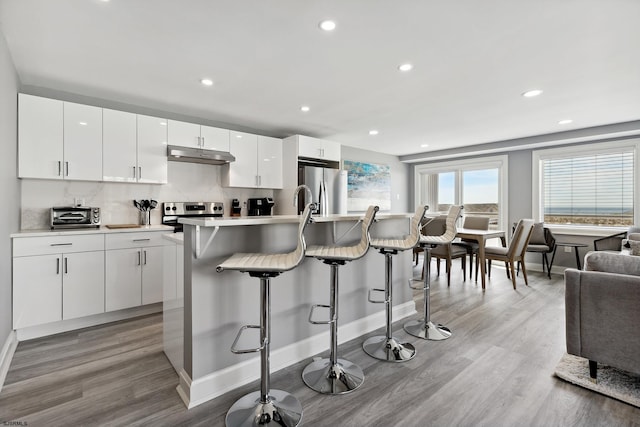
point(496, 370)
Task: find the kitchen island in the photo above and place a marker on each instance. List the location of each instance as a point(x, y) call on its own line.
point(216, 305)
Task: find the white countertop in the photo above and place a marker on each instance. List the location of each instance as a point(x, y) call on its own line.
point(282, 219)
point(101, 230)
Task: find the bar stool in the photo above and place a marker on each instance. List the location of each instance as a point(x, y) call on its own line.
point(425, 328)
point(387, 347)
point(333, 375)
point(265, 407)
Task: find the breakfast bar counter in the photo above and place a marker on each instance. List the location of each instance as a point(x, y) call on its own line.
point(216, 305)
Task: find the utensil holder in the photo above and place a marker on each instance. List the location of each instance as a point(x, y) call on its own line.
point(145, 218)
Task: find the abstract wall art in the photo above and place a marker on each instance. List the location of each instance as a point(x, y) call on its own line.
point(368, 184)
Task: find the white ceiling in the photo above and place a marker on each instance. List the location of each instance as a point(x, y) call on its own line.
point(472, 60)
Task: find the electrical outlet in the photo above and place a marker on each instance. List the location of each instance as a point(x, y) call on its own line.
point(567, 249)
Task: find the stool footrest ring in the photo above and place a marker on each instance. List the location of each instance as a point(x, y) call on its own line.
point(235, 350)
point(384, 301)
point(319, 322)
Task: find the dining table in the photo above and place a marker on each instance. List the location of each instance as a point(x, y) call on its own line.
point(481, 236)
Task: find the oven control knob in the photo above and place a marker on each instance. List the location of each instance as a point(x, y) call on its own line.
point(173, 208)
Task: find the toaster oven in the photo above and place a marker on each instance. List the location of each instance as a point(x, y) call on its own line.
point(75, 217)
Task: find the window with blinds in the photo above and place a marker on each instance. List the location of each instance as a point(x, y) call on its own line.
point(591, 190)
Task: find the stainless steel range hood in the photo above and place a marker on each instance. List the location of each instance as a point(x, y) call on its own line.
point(198, 155)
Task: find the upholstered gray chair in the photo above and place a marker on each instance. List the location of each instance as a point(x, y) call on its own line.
point(471, 246)
point(602, 316)
point(542, 242)
point(514, 252)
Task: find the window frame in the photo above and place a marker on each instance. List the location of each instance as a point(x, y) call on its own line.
point(500, 162)
point(537, 156)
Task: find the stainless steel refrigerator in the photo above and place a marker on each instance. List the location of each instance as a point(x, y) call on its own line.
point(328, 188)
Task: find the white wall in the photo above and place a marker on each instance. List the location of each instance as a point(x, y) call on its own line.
point(9, 184)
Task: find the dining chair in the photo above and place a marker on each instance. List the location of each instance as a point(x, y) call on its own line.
point(542, 242)
point(515, 252)
point(448, 252)
point(471, 246)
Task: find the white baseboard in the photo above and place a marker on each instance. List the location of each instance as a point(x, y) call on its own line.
point(6, 356)
point(201, 390)
point(84, 322)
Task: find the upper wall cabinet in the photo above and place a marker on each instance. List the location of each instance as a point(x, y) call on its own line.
point(317, 148)
point(198, 136)
point(258, 162)
point(134, 148)
point(59, 140)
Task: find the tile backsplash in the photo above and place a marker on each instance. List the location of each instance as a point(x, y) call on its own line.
point(187, 182)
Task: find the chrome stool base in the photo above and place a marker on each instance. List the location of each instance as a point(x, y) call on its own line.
point(281, 409)
point(338, 378)
point(427, 331)
point(390, 350)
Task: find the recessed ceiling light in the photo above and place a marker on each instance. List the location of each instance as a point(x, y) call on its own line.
point(328, 25)
point(565, 122)
point(373, 132)
point(207, 82)
point(424, 145)
point(405, 67)
point(82, 123)
point(163, 123)
point(238, 136)
point(532, 93)
point(305, 108)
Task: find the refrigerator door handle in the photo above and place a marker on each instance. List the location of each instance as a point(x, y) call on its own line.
point(323, 199)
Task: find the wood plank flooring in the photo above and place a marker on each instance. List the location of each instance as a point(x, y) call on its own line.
point(496, 370)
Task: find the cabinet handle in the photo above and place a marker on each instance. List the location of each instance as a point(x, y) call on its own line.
point(59, 168)
point(260, 180)
point(66, 164)
point(145, 257)
point(66, 271)
point(138, 257)
point(61, 244)
point(141, 240)
point(134, 172)
point(57, 265)
point(139, 172)
point(199, 141)
point(202, 139)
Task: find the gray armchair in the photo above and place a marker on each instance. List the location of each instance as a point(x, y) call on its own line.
point(602, 314)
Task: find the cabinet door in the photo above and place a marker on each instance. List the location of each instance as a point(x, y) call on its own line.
point(123, 278)
point(82, 284)
point(184, 134)
point(310, 147)
point(214, 138)
point(119, 146)
point(269, 162)
point(152, 150)
point(82, 142)
point(152, 273)
point(331, 151)
point(243, 172)
point(37, 290)
point(40, 137)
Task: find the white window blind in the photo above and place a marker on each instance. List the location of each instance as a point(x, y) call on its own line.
point(589, 189)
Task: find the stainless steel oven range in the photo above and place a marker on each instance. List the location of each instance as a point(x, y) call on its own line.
point(172, 211)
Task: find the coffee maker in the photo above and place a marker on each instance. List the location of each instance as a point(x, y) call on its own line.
point(260, 206)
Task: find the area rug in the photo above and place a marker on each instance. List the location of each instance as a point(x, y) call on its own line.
point(612, 382)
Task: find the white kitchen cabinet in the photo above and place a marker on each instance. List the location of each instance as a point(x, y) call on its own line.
point(37, 290)
point(134, 148)
point(82, 142)
point(82, 284)
point(59, 140)
point(198, 136)
point(152, 150)
point(134, 269)
point(57, 278)
point(258, 162)
point(119, 150)
point(269, 162)
point(315, 148)
point(40, 136)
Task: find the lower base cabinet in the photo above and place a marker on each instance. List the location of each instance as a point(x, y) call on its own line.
point(50, 288)
point(134, 276)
